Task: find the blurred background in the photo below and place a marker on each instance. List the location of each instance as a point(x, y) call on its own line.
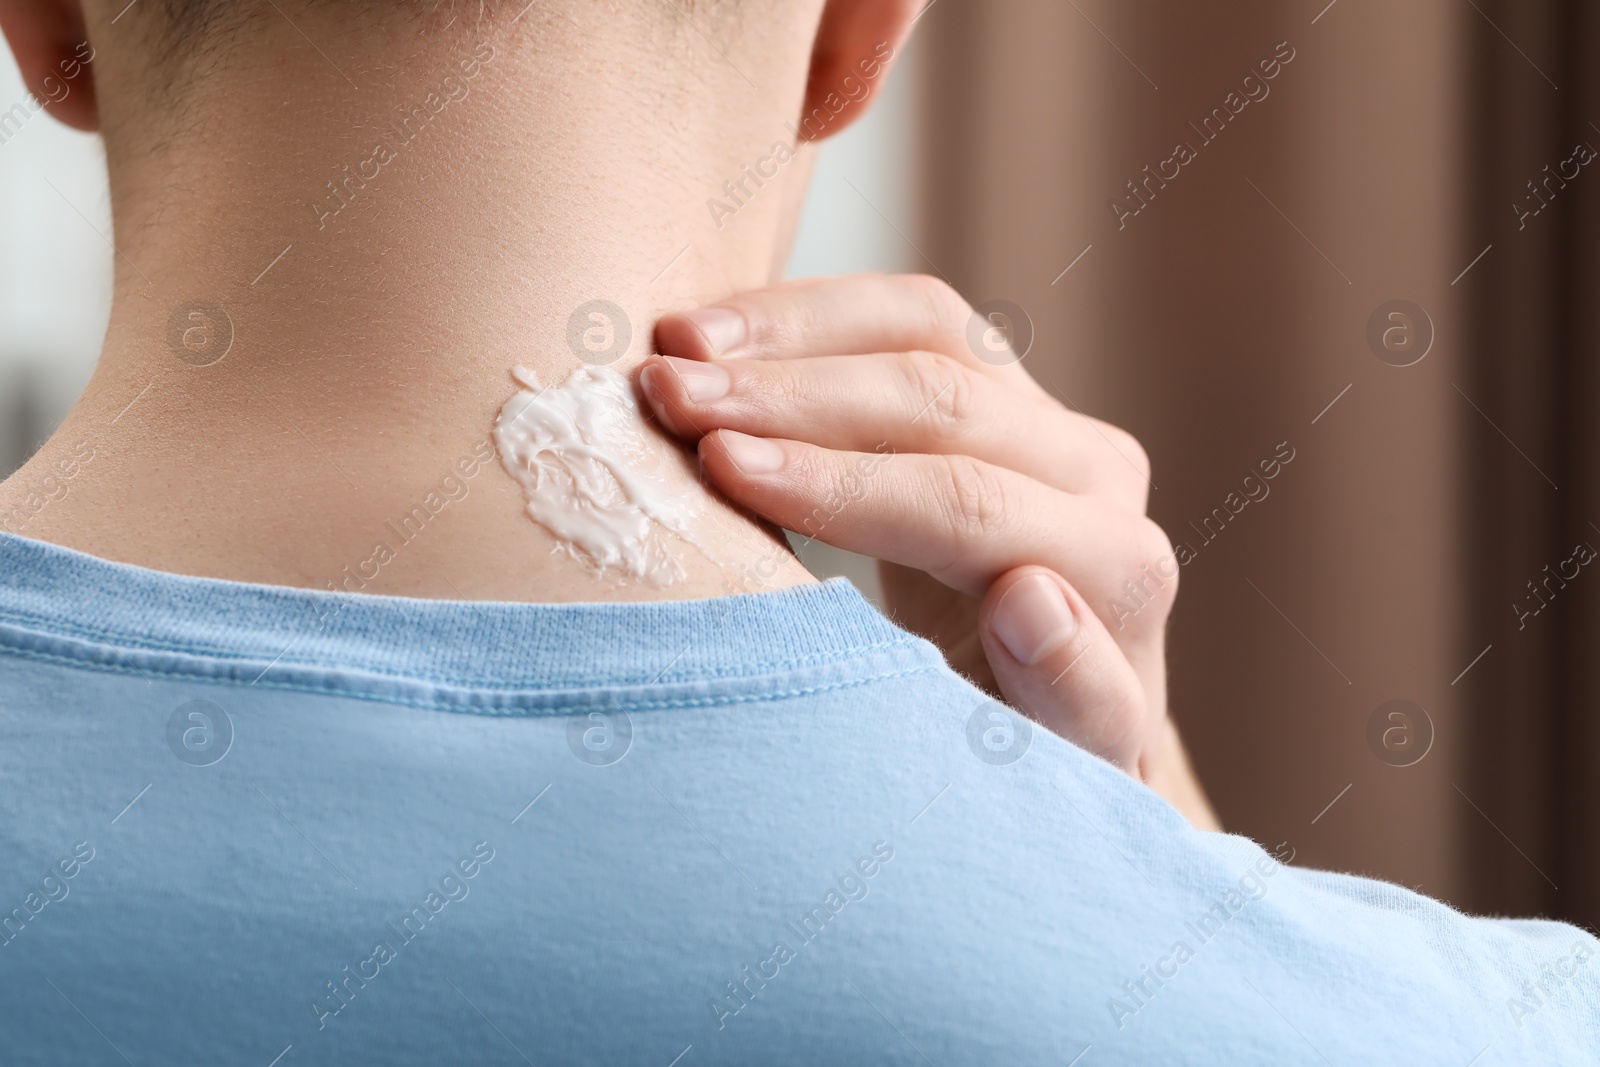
point(1360, 234)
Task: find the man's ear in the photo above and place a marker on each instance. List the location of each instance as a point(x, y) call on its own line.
point(856, 42)
point(52, 49)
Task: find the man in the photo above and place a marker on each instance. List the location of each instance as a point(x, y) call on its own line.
point(365, 701)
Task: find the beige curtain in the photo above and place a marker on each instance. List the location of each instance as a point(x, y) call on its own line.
point(1534, 99)
point(1222, 314)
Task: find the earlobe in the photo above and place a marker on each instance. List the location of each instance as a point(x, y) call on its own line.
point(857, 40)
point(51, 45)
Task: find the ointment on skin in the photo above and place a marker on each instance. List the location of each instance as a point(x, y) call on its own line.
point(579, 452)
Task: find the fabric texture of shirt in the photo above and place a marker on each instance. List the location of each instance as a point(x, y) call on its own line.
point(254, 825)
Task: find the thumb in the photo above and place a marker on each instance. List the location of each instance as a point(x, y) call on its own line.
point(1054, 660)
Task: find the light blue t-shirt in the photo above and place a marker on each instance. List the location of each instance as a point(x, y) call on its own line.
point(273, 827)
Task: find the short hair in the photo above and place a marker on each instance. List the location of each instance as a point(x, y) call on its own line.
point(180, 32)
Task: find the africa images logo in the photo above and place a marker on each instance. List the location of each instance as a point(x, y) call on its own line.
point(997, 735)
point(199, 733)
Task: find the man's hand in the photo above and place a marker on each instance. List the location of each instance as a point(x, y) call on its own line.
point(1010, 529)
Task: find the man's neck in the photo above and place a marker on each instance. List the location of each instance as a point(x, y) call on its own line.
point(373, 283)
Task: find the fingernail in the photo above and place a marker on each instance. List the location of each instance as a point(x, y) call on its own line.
point(723, 328)
point(651, 378)
point(1033, 620)
point(752, 455)
point(702, 381)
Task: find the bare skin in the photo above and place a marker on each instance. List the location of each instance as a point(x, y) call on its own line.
point(375, 352)
point(310, 340)
point(858, 411)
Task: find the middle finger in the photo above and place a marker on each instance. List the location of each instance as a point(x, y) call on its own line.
point(917, 402)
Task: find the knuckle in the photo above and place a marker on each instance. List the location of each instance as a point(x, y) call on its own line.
point(946, 307)
point(1132, 450)
point(1125, 472)
point(779, 321)
point(766, 386)
point(1155, 565)
point(821, 494)
point(940, 392)
point(973, 496)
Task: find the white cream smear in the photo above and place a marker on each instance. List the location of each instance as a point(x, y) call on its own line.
point(589, 476)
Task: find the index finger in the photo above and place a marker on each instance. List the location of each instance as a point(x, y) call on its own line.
point(857, 315)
